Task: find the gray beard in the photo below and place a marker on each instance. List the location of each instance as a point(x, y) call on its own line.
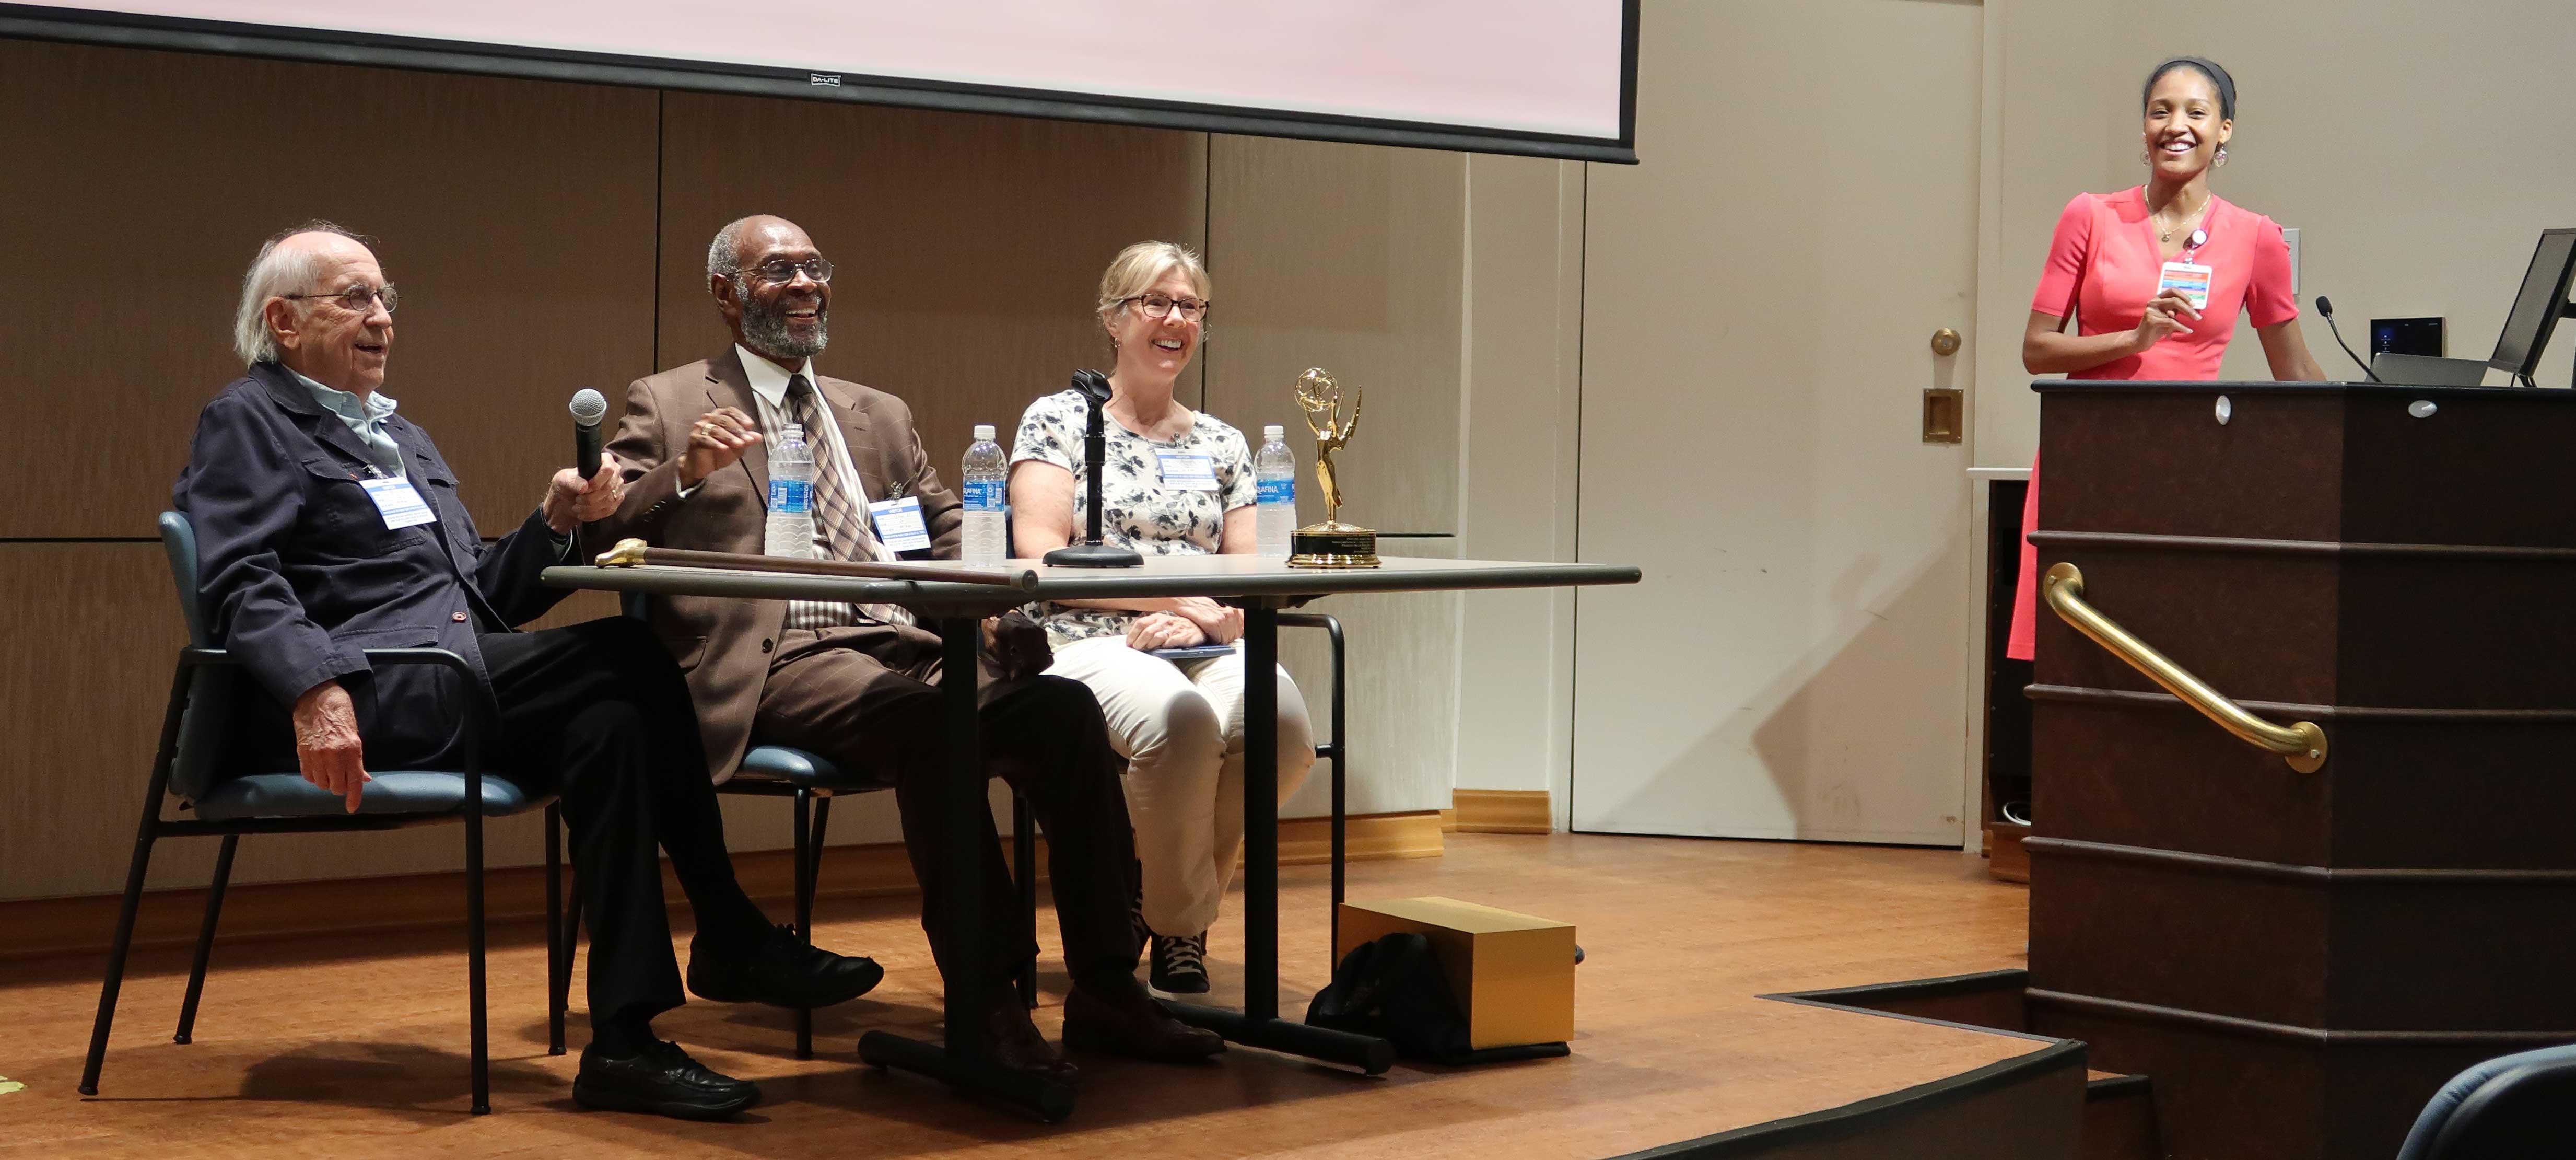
point(765, 330)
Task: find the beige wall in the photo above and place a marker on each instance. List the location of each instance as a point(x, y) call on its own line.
point(2417, 147)
point(1524, 343)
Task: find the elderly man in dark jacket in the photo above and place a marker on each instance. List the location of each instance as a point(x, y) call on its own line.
point(327, 525)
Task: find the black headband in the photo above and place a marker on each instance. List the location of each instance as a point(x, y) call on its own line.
point(2205, 67)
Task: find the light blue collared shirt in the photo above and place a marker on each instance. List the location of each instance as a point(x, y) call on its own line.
point(365, 417)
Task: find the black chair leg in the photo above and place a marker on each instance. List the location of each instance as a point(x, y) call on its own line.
point(571, 943)
point(558, 948)
point(474, 978)
point(805, 906)
point(124, 942)
point(814, 865)
point(206, 938)
point(1024, 860)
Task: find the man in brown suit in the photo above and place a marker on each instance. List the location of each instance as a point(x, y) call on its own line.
point(857, 683)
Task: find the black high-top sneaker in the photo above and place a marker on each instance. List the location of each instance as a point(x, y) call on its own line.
point(1179, 964)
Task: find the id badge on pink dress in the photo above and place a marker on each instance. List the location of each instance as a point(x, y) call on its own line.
point(2190, 278)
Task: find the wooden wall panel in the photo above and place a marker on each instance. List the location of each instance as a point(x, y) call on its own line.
point(516, 215)
point(969, 247)
point(522, 219)
point(1351, 257)
point(1402, 699)
point(1348, 257)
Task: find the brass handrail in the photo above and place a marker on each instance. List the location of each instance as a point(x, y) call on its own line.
point(2302, 745)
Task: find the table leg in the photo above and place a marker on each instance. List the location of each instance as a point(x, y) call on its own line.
point(1259, 1024)
point(970, 989)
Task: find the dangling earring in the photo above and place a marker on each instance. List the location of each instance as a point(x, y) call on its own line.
point(2146, 157)
point(2221, 160)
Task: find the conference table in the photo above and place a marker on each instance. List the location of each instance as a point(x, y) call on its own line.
point(955, 610)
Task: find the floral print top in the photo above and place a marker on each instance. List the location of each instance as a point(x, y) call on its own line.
point(1138, 509)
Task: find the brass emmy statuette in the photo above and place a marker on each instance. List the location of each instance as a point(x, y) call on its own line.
point(1332, 543)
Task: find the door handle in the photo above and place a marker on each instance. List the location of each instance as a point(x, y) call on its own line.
point(1945, 342)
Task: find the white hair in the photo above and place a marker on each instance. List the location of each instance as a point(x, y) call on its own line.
point(276, 273)
point(723, 260)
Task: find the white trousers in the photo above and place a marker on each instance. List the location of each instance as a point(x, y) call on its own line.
point(1181, 729)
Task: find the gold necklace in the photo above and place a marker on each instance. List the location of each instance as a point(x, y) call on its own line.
point(2165, 235)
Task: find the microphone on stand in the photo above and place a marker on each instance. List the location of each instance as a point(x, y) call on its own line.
point(1091, 552)
point(2327, 309)
point(588, 408)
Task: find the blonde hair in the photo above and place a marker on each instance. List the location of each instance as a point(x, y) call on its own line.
point(1138, 267)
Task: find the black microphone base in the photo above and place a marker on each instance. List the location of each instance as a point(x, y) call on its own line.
point(1093, 556)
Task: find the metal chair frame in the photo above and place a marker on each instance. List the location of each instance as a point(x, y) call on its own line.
point(153, 828)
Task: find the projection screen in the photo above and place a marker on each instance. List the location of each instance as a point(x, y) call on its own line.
point(1551, 78)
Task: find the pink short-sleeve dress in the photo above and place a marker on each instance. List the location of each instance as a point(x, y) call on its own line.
point(2104, 265)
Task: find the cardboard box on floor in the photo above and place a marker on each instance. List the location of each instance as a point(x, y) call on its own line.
point(1512, 974)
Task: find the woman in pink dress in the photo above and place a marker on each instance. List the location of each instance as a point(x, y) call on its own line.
point(2115, 253)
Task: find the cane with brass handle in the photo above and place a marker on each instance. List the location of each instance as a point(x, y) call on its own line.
point(2302, 744)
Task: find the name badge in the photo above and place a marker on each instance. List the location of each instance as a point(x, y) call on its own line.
point(2191, 279)
point(1188, 472)
point(899, 525)
point(398, 503)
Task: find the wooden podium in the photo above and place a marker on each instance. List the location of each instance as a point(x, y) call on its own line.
point(2299, 959)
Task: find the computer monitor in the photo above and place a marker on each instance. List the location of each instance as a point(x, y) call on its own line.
point(2537, 307)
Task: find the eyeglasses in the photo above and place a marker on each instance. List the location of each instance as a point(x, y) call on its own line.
point(781, 271)
point(1158, 305)
point(357, 299)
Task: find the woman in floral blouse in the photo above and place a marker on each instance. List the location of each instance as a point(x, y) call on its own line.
point(1174, 482)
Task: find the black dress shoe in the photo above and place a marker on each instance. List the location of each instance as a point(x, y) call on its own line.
point(660, 1079)
point(780, 971)
point(1014, 1043)
point(1132, 1024)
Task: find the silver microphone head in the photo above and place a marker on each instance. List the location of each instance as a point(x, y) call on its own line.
point(589, 407)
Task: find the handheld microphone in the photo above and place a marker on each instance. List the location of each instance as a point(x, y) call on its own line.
point(588, 408)
point(2327, 309)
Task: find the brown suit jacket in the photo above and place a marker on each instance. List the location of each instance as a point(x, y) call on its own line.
point(724, 645)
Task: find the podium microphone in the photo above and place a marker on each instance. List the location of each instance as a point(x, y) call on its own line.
point(1092, 551)
point(588, 408)
point(2327, 309)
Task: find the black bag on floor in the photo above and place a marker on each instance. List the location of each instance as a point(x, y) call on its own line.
point(1392, 988)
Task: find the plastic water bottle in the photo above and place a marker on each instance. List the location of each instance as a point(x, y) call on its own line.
point(984, 476)
point(1274, 471)
point(790, 532)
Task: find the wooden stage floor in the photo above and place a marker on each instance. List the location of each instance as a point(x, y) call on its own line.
point(300, 1051)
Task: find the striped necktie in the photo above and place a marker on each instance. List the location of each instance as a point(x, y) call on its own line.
point(839, 509)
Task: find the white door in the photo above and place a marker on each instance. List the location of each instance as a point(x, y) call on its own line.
point(1759, 300)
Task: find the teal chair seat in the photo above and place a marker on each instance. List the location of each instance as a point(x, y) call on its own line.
point(288, 795)
point(799, 768)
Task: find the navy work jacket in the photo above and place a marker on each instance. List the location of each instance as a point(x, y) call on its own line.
point(298, 571)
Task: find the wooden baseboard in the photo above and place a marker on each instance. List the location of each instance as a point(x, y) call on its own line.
point(48, 927)
point(1502, 811)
